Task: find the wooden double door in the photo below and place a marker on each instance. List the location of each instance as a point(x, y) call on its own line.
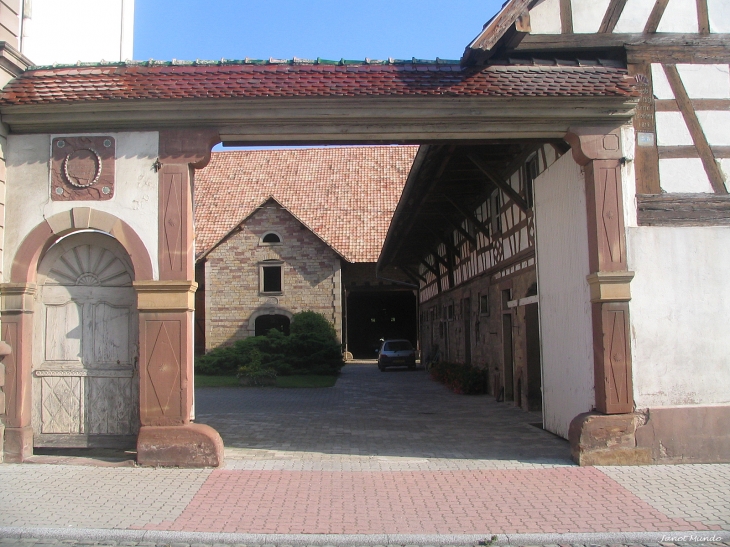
point(84, 377)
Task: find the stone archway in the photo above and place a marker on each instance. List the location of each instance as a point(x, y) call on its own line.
point(18, 306)
point(84, 378)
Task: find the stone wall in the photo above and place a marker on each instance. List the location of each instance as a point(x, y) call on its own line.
point(311, 276)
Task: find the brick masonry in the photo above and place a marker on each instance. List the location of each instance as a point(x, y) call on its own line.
point(311, 276)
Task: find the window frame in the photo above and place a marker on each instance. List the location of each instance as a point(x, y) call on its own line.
point(263, 243)
point(271, 264)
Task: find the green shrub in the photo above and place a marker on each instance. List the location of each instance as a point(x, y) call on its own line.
point(311, 348)
point(461, 378)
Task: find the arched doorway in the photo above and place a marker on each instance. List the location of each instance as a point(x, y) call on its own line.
point(264, 323)
point(85, 380)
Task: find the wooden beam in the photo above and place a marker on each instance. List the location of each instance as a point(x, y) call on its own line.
point(448, 244)
point(471, 217)
point(683, 210)
point(670, 105)
point(612, 15)
point(413, 275)
point(714, 173)
point(655, 17)
point(470, 238)
point(501, 184)
point(686, 152)
point(495, 29)
point(646, 157)
point(430, 268)
point(566, 16)
point(703, 17)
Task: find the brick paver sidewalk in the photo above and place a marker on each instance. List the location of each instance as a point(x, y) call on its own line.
point(431, 463)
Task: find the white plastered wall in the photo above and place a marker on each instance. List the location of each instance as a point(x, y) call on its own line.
point(701, 82)
point(679, 315)
point(28, 189)
point(564, 296)
point(82, 30)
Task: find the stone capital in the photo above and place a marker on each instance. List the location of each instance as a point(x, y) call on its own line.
point(610, 286)
point(172, 296)
point(190, 146)
point(595, 143)
point(17, 297)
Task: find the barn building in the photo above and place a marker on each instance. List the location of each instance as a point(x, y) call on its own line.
point(283, 231)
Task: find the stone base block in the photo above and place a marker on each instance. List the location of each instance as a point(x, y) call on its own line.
point(18, 444)
point(191, 445)
point(599, 439)
point(695, 434)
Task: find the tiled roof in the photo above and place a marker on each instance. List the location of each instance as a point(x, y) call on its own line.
point(230, 80)
point(345, 195)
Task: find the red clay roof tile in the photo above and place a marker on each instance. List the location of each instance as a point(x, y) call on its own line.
point(346, 195)
point(197, 81)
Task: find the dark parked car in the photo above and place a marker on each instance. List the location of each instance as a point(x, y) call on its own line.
point(396, 353)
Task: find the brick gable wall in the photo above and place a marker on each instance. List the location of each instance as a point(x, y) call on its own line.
point(311, 277)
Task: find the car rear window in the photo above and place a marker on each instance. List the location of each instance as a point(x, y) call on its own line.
point(398, 346)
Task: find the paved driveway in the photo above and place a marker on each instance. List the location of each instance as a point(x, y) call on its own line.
point(372, 418)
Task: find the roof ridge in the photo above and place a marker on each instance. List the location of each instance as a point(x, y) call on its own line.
point(246, 61)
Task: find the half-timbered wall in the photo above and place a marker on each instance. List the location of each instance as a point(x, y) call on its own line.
point(629, 16)
point(485, 272)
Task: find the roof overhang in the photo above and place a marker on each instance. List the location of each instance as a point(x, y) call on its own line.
point(320, 120)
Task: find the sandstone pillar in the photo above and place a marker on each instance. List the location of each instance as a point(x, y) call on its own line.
point(600, 437)
point(17, 330)
point(167, 436)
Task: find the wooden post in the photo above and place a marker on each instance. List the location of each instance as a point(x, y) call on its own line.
point(599, 150)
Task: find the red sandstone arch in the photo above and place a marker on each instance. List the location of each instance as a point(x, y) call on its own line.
point(43, 236)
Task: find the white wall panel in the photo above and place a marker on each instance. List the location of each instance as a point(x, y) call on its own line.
point(680, 16)
point(679, 315)
point(684, 176)
point(719, 15)
point(705, 81)
point(635, 15)
point(588, 15)
point(545, 17)
point(671, 130)
point(565, 309)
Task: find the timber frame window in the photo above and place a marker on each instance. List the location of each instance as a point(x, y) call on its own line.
point(271, 277)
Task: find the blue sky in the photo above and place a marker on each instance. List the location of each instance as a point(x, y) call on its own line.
point(330, 29)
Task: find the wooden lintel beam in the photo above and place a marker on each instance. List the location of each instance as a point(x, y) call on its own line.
point(501, 184)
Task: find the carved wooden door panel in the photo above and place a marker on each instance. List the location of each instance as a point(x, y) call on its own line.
point(85, 383)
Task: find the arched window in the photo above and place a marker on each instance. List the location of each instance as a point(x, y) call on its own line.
point(264, 323)
point(271, 238)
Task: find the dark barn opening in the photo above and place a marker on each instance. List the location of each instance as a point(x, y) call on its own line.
point(264, 323)
point(375, 315)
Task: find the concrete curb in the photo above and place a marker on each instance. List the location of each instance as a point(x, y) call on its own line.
point(152, 536)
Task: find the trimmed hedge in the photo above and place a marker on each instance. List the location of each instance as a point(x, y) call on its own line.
point(311, 348)
point(460, 378)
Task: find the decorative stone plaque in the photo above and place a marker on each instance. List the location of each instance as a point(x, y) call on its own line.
point(82, 168)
